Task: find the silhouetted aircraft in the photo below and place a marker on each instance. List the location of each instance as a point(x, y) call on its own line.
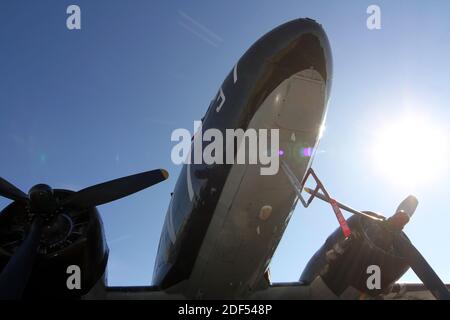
point(224, 221)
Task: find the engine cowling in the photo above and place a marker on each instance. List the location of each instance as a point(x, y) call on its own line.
point(344, 263)
point(75, 238)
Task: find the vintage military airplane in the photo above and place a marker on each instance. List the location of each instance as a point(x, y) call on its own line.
point(224, 221)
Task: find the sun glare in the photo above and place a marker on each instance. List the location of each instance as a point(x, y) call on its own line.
point(411, 150)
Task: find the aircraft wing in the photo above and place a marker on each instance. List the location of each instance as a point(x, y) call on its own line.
point(317, 290)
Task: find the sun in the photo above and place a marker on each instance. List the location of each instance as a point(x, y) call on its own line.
point(411, 150)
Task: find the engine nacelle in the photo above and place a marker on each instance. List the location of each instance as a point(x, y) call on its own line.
point(75, 238)
point(344, 263)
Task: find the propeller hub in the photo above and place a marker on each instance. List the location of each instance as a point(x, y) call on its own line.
point(399, 220)
point(42, 199)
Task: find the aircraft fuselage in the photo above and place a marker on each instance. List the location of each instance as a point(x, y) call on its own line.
point(225, 221)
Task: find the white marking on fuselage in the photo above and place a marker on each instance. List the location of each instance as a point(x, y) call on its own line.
point(197, 131)
point(235, 78)
point(222, 97)
point(189, 183)
point(170, 227)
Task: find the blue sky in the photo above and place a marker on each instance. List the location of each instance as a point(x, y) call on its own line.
point(81, 107)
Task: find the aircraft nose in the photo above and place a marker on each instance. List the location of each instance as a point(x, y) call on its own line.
point(320, 56)
point(301, 44)
point(318, 45)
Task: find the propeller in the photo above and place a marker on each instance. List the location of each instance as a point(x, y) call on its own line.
point(15, 275)
point(114, 190)
point(43, 207)
point(413, 257)
point(421, 267)
point(402, 245)
point(9, 191)
point(404, 213)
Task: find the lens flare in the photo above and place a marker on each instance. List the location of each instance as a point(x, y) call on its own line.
point(411, 150)
point(307, 152)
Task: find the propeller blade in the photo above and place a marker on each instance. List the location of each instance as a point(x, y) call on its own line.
point(15, 275)
point(421, 267)
point(409, 206)
point(403, 213)
point(115, 189)
point(9, 191)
